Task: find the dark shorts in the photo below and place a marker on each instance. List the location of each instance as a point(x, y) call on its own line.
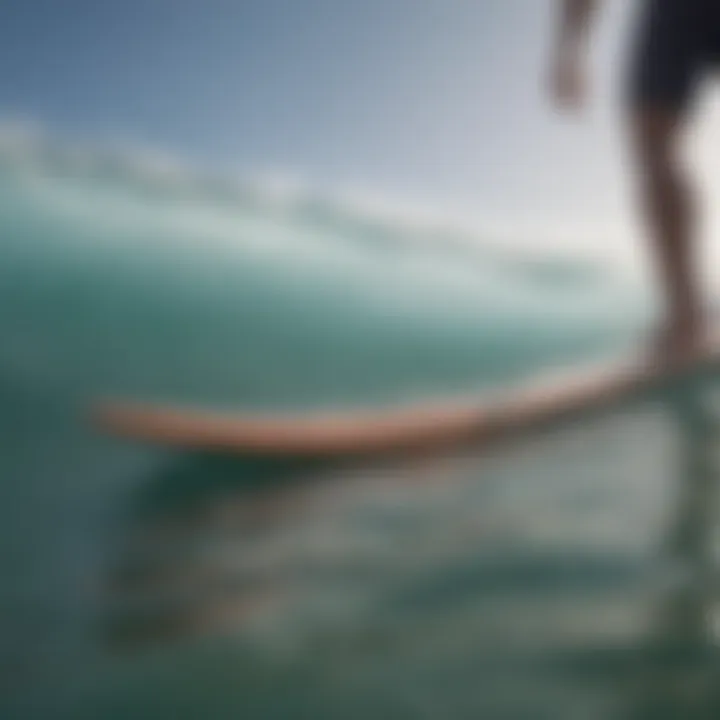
point(677, 43)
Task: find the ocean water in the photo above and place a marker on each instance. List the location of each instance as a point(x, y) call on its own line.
point(139, 582)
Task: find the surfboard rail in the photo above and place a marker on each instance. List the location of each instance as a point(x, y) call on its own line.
point(545, 402)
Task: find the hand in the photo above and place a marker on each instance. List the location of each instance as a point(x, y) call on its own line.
point(568, 87)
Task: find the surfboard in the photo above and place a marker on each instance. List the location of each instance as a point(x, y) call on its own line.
point(544, 402)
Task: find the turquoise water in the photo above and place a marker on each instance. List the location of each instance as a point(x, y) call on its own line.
point(146, 583)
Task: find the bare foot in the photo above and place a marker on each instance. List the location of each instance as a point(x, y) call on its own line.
point(679, 345)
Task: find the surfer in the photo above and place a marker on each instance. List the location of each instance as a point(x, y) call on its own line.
point(677, 42)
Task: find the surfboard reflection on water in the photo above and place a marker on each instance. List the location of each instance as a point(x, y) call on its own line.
point(677, 676)
point(171, 579)
point(216, 542)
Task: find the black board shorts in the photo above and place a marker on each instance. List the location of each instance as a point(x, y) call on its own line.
point(677, 44)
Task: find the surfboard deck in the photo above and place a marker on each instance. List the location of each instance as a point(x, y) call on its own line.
point(545, 402)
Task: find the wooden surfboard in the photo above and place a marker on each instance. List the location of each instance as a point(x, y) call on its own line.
point(545, 402)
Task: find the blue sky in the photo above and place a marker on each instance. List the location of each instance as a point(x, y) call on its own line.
point(434, 101)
